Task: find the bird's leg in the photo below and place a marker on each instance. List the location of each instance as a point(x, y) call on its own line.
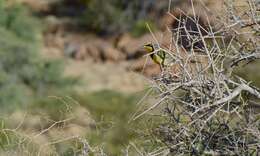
point(161, 68)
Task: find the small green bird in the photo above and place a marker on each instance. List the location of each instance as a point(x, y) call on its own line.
point(157, 56)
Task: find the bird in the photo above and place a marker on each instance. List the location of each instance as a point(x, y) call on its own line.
point(172, 62)
point(167, 62)
point(158, 56)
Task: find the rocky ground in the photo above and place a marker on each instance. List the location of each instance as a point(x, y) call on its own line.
point(115, 62)
point(98, 63)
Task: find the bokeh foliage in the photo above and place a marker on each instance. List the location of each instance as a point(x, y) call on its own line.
point(24, 75)
point(111, 110)
point(113, 16)
point(26, 81)
point(117, 16)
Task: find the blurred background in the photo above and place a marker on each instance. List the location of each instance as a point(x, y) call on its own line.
point(75, 67)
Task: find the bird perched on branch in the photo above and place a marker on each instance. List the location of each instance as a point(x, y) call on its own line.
point(158, 56)
point(173, 62)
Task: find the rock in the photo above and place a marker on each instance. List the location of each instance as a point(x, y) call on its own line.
point(53, 45)
point(71, 49)
point(52, 24)
point(99, 50)
point(108, 52)
point(92, 52)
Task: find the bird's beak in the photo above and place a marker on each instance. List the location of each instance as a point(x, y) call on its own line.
point(142, 49)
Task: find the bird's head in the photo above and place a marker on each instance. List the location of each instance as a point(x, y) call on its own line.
point(149, 48)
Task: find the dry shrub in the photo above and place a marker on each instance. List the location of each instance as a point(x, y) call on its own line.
point(209, 109)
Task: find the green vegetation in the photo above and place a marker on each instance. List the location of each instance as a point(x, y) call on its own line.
point(111, 131)
point(111, 111)
point(140, 28)
point(113, 16)
point(24, 75)
point(116, 16)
